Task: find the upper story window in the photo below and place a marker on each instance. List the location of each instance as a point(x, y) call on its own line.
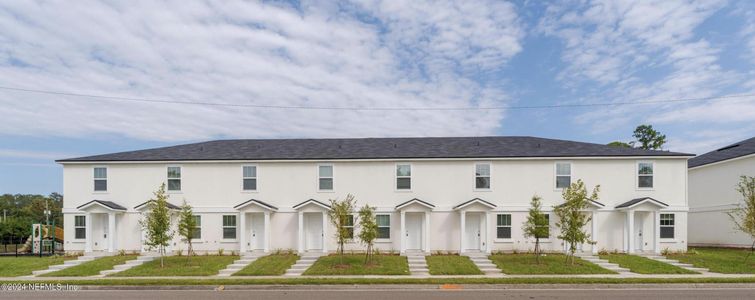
point(563, 175)
point(174, 178)
point(100, 179)
point(249, 178)
point(404, 177)
point(645, 175)
point(325, 177)
point(80, 229)
point(482, 176)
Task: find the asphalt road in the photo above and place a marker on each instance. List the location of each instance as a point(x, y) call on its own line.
point(327, 294)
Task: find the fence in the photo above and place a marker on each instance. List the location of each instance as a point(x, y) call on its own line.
point(21, 246)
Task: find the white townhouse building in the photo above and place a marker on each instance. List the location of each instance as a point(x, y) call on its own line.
point(713, 178)
point(460, 194)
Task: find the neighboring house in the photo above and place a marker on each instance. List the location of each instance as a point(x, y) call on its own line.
point(713, 179)
point(453, 194)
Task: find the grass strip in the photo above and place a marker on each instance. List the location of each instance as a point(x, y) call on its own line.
point(353, 264)
point(92, 268)
point(20, 266)
point(275, 264)
point(181, 266)
point(451, 265)
point(549, 264)
point(644, 265)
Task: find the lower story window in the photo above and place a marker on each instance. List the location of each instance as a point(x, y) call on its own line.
point(197, 232)
point(229, 227)
point(548, 225)
point(667, 226)
point(503, 226)
point(80, 227)
point(384, 226)
point(349, 226)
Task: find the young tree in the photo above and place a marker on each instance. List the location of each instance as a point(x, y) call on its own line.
point(157, 224)
point(648, 138)
point(536, 225)
point(186, 226)
point(571, 216)
point(340, 214)
point(744, 215)
point(368, 229)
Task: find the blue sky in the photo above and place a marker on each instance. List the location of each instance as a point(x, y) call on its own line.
point(365, 54)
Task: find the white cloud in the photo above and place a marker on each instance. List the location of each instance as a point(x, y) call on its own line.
point(246, 52)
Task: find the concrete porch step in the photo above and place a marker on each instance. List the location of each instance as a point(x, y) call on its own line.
point(418, 269)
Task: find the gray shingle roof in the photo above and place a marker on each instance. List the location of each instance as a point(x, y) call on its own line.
point(170, 205)
point(263, 204)
point(374, 148)
point(638, 200)
point(108, 204)
point(735, 150)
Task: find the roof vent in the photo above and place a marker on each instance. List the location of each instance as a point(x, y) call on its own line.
point(478, 143)
point(394, 146)
point(728, 147)
point(201, 148)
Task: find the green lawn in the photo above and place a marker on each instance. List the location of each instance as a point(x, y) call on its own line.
point(94, 267)
point(181, 266)
point(275, 264)
point(719, 260)
point(451, 265)
point(549, 264)
point(20, 266)
point(642, 265)
point(353, 264)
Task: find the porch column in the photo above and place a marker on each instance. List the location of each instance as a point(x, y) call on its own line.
point(301, 232)
point(657, 231)
point(324, 232)
point(242, 232)
point(426, 236)
point(594, 231)
point(88, 243)
point(111, 232)
point(403, 232)
point(462, 227)
point(266, 248)
point(630, 231)
point(487, 234)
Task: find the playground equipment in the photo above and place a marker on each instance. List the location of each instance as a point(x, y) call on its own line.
point(45, 239)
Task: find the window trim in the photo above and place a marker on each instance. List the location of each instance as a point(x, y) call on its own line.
point(256, 178)
point(637, 175)
point(353, 228)
point(510, 226)
point(332, 177)
point(378, 239)
point(235, 227)
point(396, 177)
point(199, 225)
point(490, 176)
point(660, 225)
point(555, 173)
point(77, 227)
point(180, 179)
point(94, 191)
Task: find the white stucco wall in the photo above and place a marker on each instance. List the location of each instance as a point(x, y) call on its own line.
point(711, 194)
point(214, 188)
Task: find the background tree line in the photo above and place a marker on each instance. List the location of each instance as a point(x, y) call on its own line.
point(19, 211)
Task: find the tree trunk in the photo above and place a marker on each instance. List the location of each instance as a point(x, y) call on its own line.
point(537, 250)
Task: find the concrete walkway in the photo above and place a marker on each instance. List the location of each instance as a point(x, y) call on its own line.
point(245, 259)
point(305, 261)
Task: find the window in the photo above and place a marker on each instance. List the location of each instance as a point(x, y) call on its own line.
point(229, 227)
point(100, 179)
point(563, 175)
point(548, 234)
point(197, 232)
point(403, 177)
point(667, 226)
point(503, 226)
point(349, 226)
point(79, 225)
point(174, 178)
point(250, 178)
point(384, 226)
point(482, 176)
point(325, 173)
point(645, 175)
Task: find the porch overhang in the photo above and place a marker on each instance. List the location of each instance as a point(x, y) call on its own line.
point(312, 202)
point(473, 202)
point(147, 204)
point(109, 206)
point(255, 202)
point(640, 201)
point(590, 204)
point(403, 205)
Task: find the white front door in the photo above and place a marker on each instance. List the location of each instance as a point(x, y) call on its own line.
point(413, 231)
point(313, 233)
point(472, 231)
point(638, 234)
point(99, 232)
point(258, 232)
